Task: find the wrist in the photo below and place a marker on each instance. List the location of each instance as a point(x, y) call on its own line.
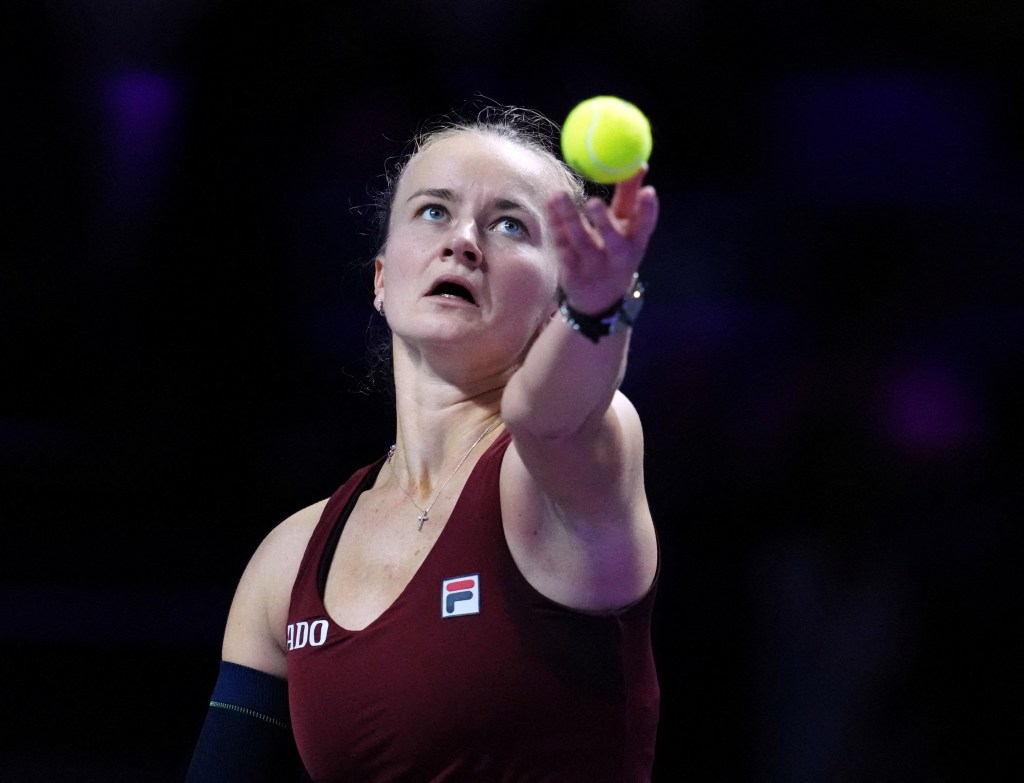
point(617, 318)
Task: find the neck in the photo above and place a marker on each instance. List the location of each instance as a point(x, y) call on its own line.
point(426, 456)
point(446, 375)
point(440, 411)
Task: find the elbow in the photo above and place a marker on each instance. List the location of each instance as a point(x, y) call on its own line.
point(526, 419)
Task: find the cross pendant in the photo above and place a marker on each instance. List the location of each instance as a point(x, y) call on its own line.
point(422, 518)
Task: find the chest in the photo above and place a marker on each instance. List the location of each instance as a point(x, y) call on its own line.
point(379, 552)
point(429, 686)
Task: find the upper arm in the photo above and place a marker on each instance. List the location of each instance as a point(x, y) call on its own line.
point(576, 514)
point(257, 620)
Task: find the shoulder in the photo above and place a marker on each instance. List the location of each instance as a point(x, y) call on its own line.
point(280, 553)
point(256, 623)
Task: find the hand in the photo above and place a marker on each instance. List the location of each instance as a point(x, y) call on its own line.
point(597, 260)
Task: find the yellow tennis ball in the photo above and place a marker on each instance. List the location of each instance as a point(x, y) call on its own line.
point(606, 139)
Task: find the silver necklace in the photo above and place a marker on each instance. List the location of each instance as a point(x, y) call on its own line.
point(425, 512)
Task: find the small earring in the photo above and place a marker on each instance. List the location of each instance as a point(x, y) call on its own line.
point(380, 305)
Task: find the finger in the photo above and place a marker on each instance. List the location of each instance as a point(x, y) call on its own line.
point(567, 220)
point(624, 198)
point(572, 237)
point(646, 216)
point(611, 236)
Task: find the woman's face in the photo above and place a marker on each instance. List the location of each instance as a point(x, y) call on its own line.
point(470, 263)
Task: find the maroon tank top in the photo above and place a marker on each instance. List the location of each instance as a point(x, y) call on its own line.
point(471, 674)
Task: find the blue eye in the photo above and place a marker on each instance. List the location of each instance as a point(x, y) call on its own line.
point(508, 225)
point(433, 213)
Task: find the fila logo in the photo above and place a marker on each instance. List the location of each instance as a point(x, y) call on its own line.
point(302, 633)
point(460, 595)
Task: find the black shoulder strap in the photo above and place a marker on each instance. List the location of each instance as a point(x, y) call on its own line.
point(332, 541)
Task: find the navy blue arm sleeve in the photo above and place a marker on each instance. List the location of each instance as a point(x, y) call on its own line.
point(246, 736)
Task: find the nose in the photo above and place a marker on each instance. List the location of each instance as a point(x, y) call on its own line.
point(463, 245)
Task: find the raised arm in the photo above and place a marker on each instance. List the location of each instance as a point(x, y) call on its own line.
point(577, 456)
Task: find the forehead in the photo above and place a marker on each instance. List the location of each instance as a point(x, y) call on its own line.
point(476, 161)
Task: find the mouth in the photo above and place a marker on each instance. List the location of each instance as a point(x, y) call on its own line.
point(449, 289)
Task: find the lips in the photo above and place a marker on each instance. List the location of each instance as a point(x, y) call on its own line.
point(453, 288)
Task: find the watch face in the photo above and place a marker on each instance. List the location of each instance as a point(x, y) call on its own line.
point(633, 302)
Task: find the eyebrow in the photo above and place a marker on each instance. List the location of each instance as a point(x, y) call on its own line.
point(504, 203)
point(441, 193)
point(445, 193)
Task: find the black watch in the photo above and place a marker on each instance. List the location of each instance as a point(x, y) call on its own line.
point(617, 318)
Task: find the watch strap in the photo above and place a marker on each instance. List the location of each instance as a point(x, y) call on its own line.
point(615, 319)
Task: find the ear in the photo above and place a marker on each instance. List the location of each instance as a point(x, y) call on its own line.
point(378, 277)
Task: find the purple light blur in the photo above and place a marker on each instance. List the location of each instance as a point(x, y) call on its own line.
point(141, 110)
point(927, 407)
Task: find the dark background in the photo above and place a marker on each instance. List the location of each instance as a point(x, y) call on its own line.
point(827, 366)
